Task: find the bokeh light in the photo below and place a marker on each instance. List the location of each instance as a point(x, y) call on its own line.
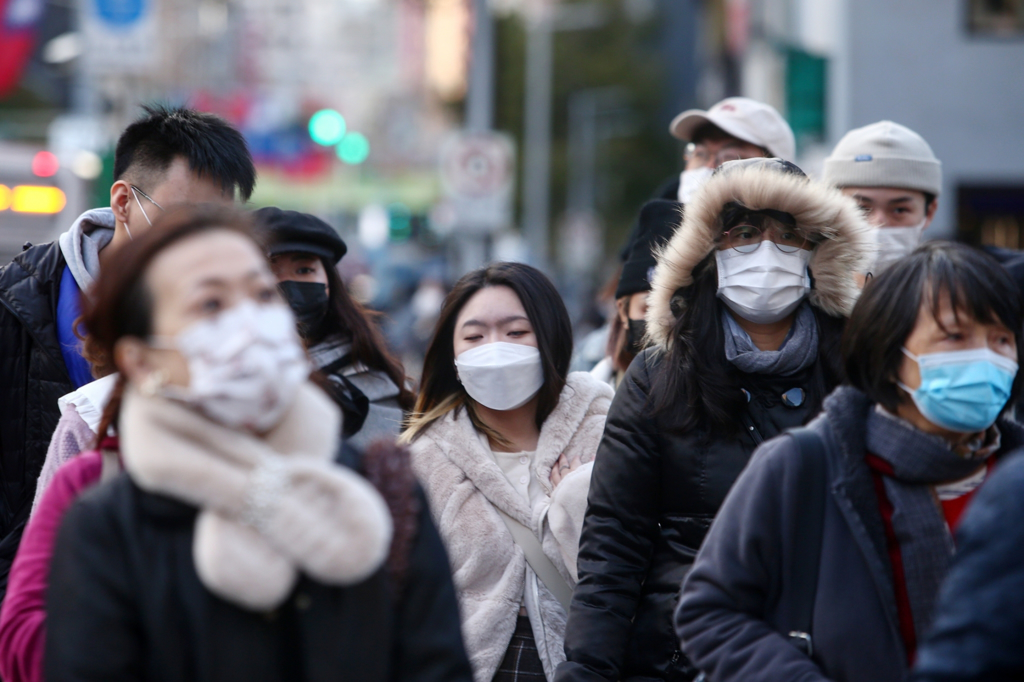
point(353, 149)
point(327, 127)
point(45, 164)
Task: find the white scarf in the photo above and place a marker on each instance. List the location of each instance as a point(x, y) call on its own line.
point(270, 506)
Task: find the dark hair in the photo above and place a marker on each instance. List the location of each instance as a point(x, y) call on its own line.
point(928, 199)
point(368, 344)
point(709, 132)
point(887, 311)
point(617, 347)
point(121, 304)
point(440, 389)
point(212, 147)
point(695, 372)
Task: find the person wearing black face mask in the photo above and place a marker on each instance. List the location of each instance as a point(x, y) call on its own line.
point(658, 219)
point(341, 336)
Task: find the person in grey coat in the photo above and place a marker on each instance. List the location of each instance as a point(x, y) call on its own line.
point(869, 500)
point(341, 337)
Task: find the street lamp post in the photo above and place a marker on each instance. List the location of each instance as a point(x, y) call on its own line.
point(542, 23)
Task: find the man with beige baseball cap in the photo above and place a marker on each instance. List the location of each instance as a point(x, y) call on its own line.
point(894, 176)
point(735, 128)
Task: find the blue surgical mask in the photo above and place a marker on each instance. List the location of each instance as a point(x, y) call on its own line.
point(962, 390)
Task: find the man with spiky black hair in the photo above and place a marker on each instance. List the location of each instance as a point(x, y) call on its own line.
point(170, 156)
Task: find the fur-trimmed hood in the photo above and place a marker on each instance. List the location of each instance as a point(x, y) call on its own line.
point(845, 247)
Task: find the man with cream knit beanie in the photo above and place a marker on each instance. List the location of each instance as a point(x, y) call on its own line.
point(894, 176)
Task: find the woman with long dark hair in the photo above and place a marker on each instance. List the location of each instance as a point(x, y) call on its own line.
point(503, 438)
point(341, 336)
point(232, 547)
point(826, 559)
point(627, 330)
point(746, 311)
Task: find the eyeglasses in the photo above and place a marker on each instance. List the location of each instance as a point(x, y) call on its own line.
point(747, 238)
point(136, 191)
point(701, 156)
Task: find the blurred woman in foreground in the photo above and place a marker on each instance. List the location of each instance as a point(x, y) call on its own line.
point(234, 548)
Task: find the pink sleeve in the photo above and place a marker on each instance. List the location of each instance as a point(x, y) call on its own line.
point(71, 437)
point(23, 614)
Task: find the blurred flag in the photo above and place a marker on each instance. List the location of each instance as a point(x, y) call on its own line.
point(18, 22)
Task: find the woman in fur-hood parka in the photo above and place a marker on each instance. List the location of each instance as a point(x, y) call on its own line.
point(747, 306)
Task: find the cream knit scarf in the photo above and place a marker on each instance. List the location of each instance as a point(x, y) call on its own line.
point(270, 506)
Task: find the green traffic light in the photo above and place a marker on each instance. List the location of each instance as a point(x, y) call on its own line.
point(353, 149)
point(327, 127)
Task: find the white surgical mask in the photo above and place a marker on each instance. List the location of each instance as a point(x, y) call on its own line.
point(896, 242)
point(500, 375)
point(765, 285)
point(245, 365)
point(692, 180)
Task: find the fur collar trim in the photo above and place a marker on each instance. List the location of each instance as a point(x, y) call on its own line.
point(846, 245)
point(270, 506)
point(455, 435)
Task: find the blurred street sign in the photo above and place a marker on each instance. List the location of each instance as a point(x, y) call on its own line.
point(477, 174)
point(119, 36)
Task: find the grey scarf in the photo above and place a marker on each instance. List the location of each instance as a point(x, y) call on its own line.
point(920, 461)
point(797, 352)
point(329, 350)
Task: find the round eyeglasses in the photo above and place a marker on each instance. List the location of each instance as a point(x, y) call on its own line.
point(747, 238)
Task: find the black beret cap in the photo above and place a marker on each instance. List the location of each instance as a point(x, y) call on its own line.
point(658, 221)
point(294, 232)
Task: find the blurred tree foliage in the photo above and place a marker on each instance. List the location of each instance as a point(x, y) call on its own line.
point(622, 53)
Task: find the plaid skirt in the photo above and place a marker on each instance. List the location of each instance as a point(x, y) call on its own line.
point(522, 662)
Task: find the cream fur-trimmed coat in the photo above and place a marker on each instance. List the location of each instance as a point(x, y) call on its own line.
point(846, 242)
point(464, 485)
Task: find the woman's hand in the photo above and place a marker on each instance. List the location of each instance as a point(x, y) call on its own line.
point(562, 468)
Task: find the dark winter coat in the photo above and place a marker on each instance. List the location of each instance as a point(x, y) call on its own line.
point(656, 488)
point(653, 495)
point(32, 377)
point(732, 603)
point(146, 615)
point(978, 631)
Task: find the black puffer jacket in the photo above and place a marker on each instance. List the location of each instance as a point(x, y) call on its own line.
point(653, 495)
point(123, 579)
point(32, 377)
point(656, 487)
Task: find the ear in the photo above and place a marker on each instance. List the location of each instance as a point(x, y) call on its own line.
point(132, 359)
point(930, 213)
point(120, 198)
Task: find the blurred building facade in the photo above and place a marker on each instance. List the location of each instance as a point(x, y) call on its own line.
point(946, 68)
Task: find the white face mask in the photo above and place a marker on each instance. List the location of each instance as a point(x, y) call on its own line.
point(500, 375)
point(245, 365)
point(763, 286)
point(692, 180)
point(896, 242)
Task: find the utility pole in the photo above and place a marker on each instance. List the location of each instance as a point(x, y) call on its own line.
point(480, 97)
point(542, 24)
point(472, 248)
point(537, 152)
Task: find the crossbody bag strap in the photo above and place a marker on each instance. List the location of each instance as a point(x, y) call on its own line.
point(798, 622)
point(538, 560)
